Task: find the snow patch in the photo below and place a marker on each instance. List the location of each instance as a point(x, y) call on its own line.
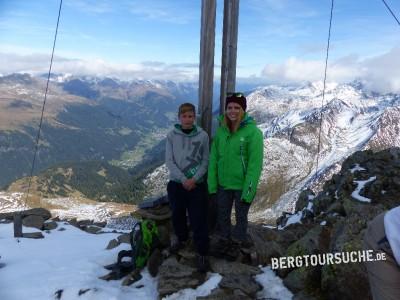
point(357, 168)
point(293, 219)
point(360, 185)
point(202, 290)
point(273, 286)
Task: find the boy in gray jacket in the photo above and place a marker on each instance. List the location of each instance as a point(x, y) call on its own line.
point(186, 157)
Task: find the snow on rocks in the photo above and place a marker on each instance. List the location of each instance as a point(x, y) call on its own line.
point(360, 186)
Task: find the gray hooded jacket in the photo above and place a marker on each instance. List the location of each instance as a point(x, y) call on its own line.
point(186, 155)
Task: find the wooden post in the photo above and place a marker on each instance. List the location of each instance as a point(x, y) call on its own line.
point(206, 81)
point(206, 68)
point(229, 50)
point(17, 224)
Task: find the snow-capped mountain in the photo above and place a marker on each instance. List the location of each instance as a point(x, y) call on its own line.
point(352, 119)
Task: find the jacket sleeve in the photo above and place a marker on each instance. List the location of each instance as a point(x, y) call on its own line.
point(175, 172)
point(254, 166)
point(212, 179)
point(204, 160)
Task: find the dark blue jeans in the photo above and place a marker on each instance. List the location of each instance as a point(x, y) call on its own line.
point(193, 202)
point(225, 200)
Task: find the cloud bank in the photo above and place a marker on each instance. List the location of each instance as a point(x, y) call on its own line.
point(39, 63)
point(380, 73)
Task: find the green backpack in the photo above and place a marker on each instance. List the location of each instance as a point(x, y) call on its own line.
point(144, 240)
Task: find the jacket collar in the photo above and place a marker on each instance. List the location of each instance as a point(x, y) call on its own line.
point(178, 129)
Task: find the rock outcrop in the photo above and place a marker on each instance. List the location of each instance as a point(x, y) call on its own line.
point(334, 221)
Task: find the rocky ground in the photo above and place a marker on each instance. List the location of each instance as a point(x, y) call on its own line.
point(332, 221)
point(335, 221)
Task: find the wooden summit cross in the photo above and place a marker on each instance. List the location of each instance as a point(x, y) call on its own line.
point(229, 52)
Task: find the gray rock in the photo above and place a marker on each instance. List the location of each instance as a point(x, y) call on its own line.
point(124, 238)
point(100, 224)
point(216, 294)
point(309, 244)
point(30, 212)
point(223, 294)
point(113, 244)
point(245, 283)
point(50, 225)
point(307, 216)
point(174, 276)
point(73, 222)
point(7, 216)
point(37, 212)
point(303, 296)
point(33, 235)
point(305, 278)
point(83, 223)
point(345, 281)
point(158, 213)
point(303, 199)
point(239, 294)
point(92, 229)
point(33, 221)
point(264, 244)
point(224, 267)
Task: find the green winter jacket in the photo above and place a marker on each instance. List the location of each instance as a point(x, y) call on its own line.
point(236, 159)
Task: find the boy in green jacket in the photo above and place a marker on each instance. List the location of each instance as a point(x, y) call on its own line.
point(235, 166)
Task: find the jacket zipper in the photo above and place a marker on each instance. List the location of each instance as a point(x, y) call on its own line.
point(242, 158)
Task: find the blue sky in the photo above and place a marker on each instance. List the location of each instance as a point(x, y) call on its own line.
point(279, 40)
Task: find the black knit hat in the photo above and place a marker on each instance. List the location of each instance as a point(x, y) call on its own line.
point(238, 98)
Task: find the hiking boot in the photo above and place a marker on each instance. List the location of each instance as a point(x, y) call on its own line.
point(203, 265)
point(246, 244)
point(132, 277)
point(226, 249)
point(175, 247)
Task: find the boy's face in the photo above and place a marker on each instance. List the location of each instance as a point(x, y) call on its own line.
point(187, 119)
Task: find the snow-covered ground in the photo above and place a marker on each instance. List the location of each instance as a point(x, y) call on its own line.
point(68, 208)
point(72, 260)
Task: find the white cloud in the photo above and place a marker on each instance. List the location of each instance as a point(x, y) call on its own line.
point(39, 63)
point(379, 73)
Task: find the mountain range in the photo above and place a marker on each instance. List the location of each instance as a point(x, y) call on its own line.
point(103, 121)
point(353, 119)
point(85, 119)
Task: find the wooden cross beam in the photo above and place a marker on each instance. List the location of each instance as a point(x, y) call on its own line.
point(229, 54)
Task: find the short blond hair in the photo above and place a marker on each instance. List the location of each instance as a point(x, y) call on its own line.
point(186, 107)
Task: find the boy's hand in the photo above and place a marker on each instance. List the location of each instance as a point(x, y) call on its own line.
point(189, 184)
